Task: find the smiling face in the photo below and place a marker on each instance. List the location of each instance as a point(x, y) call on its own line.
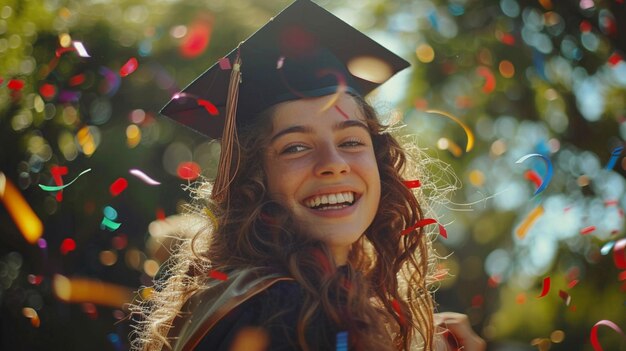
point(320, 163)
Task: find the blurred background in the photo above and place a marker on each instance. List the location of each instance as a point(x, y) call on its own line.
point(526, 100)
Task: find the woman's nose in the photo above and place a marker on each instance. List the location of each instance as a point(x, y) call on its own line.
point(329, 161)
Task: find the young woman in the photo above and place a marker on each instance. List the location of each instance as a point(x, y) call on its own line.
point(310, 240)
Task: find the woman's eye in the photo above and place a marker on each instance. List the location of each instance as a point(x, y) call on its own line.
point(353, 143)
point(293, 149)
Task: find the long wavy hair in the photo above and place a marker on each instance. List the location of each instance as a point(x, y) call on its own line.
point(383, 296)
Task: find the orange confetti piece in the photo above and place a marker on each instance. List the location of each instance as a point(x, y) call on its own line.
point(468, 131)
point(23, 215)
point(546, 287)
point(129, 67)
point(79, 290)
point(529, 221)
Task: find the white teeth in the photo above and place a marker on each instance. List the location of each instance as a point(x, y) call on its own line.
point(338, 199)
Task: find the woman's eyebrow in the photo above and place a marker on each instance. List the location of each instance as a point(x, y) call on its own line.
point(309, 130)
point(292, 129)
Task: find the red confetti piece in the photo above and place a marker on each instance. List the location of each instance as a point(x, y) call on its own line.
point(618, 254)
point(67, 245)
point(490, 80)
point(609, 203)
point(57, 172)
point(566, 297)
point(621, 276)
point(412, 184)
point(546, 287)
point(224, 63)
point(533, 177)
point(615, 59)
point(588, 230)
point(160, 214)
point(419, 224)
point(35, 279)
point(218, 275)
point(15, 84)
point(129, 67)
point(47, 91)
point(443, 232)
point(594, 333)
point(197, 39)
point(477, 300)
point(61, 51)
point(507, 39)
point(188, 170)
point(208, 106)
point(494, 281)
point(572, 284)
point(77, 80)
point(585, 26)
point(345, 115)
point(396, 307)
point(118, 186)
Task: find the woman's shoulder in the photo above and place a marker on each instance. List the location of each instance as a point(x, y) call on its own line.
point(269, 317)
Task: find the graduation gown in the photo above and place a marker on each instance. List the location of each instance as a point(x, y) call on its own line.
point(214, 316)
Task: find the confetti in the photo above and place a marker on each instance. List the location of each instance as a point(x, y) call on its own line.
point(76, 80)
point(48, 91)
point(57, 172)
point(594, 333)
point(110, 213)
point(141, 175)
point(546, 287)
point(443, 232)
point(396, 307)
point(81, 290)
point(470, 135)
point(57, 188)
point(618, 254)
point(490, 80)
point(23, 215)
point(529, 221)
point(606, 248)
point(188, 170)
point(588, 230)
point(547, 177)
point(109, 224)
point(419, 224)
point(341, 88)
point(614, 59)
point(129, 67)
point(533, 177)
point(197, 39)
point(15, 84)
point(342, 341)
point(80, 49)
point(412, 184)
point(614, 156)
point(224, 63)
point(345, 115)
point(280, 62)
point(218, 275)
point(208, 106)
point(118, 186)
point(566, 297)
point(67, 245)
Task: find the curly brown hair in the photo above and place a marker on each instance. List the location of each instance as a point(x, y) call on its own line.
point(381, 298)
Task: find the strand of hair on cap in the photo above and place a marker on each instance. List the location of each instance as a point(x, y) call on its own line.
point(226, 172)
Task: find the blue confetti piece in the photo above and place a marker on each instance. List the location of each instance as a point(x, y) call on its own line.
point(614, 156)
point(549, 170)
point(342, 341)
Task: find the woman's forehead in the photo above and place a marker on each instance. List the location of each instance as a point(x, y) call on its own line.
point(310, 111)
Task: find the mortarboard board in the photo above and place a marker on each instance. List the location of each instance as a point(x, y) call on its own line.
point(304, 51)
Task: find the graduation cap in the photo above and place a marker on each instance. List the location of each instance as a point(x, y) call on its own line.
point(304, 51)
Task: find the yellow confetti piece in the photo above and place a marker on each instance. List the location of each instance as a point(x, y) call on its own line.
point(212, 217)
point(529, 221)
point(23, 215)
point(468, 131)
point(79, 290)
